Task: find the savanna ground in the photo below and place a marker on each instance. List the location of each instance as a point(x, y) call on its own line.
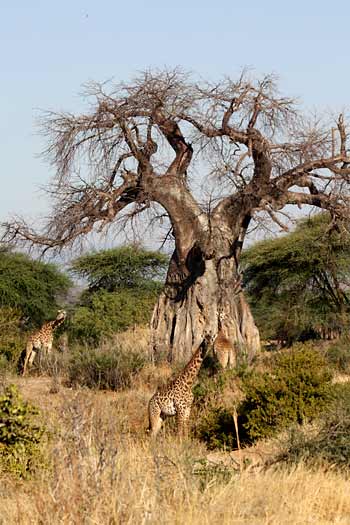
point(104, 469)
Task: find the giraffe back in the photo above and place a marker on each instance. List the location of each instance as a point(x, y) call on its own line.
point(42, 337)
point(224, 349)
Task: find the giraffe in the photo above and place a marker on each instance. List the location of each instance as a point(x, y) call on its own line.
point(42, 339)
point(223, 348)
point(175, 399)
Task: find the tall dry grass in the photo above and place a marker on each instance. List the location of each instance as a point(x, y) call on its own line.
point(105, 470)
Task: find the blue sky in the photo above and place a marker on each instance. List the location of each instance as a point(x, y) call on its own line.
point(49, 49)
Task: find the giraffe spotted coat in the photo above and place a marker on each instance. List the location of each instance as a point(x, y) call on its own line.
point(42, 339)
point(176, 398)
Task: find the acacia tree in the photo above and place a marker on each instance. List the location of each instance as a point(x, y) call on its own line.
point(140, 146)
point(298, 283)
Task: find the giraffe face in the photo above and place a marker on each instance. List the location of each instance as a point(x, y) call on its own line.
point(61, 314)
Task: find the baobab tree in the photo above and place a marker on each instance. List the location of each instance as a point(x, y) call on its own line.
point(140, 148)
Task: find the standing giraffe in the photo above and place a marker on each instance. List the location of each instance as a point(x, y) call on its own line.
point(223, 348)
point(175, 399)
point(42, 339)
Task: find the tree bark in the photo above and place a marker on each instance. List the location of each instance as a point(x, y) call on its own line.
point(208, 299)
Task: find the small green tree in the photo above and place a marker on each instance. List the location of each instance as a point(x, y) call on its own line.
point(297, 283)
point(124, 284)
point(31, 286)
point(11, 338)
point(121, 268)
point(21, 435)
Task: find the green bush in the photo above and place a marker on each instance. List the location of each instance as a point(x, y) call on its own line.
point(124, 284)
point(21, 436)
point(338, 354)
point(111, 369)
point(292, 387)
point(329, 444)
point(12, 341)
point(215, 400)
point(216, 429)
point(30, 286)
point(296, 388)
point(105, 313)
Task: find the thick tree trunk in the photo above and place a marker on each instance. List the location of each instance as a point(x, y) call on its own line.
point(209, 300)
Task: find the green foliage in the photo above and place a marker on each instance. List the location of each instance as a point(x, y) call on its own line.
point(11, 339)
point(108, 312)
point(295, 283)
point(215, 400)
point(21, 435)
point(120, 268)
point(123, 289)
point(216, 429)
point(330, 443)
point(295, 389)
point(294, 386)
point(30, 286)
point(338, 354)
point(109, 368)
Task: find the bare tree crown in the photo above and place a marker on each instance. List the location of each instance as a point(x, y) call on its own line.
point(140, 141)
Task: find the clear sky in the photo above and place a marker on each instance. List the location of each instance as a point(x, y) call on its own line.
point(50, 48)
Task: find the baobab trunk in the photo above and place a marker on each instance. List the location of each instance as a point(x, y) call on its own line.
point(210, 299)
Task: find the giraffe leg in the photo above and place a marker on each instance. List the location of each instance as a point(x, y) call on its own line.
point(28, 357)
point(32, 357)
point(182, 420)
point(155, 420)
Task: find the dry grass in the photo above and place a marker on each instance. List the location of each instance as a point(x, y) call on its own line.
point(106, 471)
point(134, 338)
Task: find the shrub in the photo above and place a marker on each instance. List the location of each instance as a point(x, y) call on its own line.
point(295, 389)
point(293, 386)
point(338, 354)
point(330, 443)
point(216, 399)
point(104, 368)
point(21, 435)
point(216, 429)
point(11, 340)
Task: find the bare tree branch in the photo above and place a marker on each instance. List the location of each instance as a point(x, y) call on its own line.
point(142, 142)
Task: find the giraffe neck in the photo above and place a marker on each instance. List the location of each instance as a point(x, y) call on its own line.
point(191, 370)
point(55, 323)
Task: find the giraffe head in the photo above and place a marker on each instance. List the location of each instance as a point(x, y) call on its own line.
point(221, 318)
point(208, 339)
point(61, 315)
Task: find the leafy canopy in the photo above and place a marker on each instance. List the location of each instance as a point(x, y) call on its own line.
point(31, 286)
point(123, 287)
point(119, 268)
point(297, 283)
